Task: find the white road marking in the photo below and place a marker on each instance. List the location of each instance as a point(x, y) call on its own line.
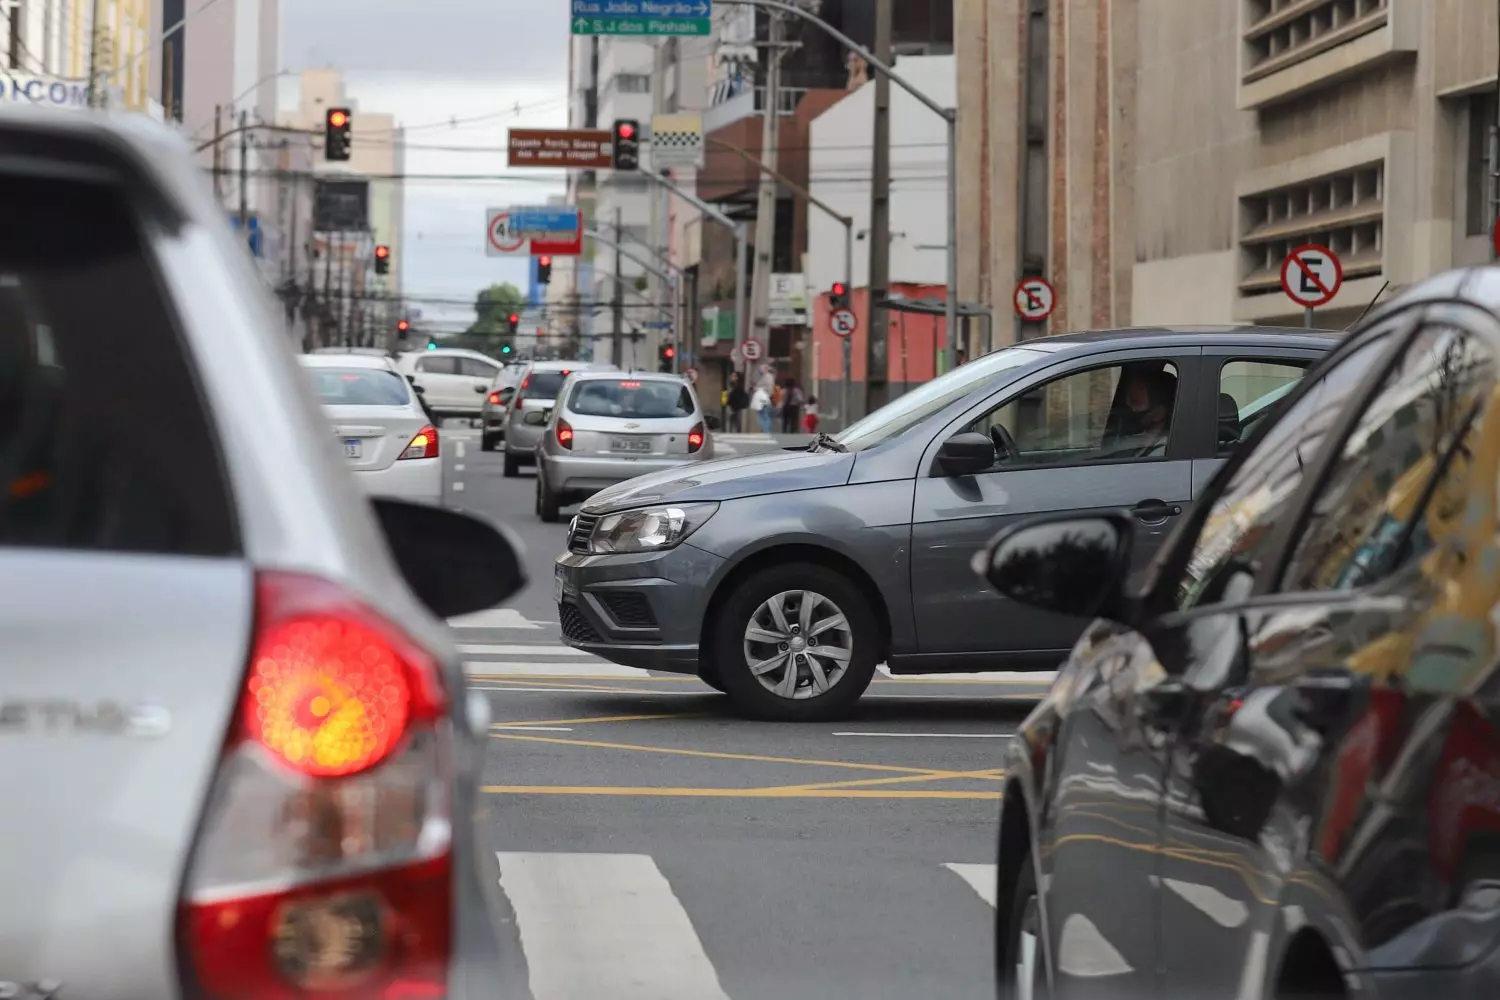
point(527, 649)
point(459, 448)
point(540, 729)
point(494, 618)
point(458, 487)
point(458, 467)
point(939, 736)
point(1040, 678)
point(605, 925)
point(981, 879)
point(510, 668)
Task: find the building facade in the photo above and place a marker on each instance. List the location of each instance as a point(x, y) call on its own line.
point(51, 49)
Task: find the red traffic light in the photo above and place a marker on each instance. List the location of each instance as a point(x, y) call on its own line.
point(544, 261)
point(382, 251)
point(669, 352)
point(515, 317)
point(627, 130)
point(337, 119)
point(838, 288)
point(403, 325)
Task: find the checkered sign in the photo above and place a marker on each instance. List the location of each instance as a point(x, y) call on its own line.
point(677, 141)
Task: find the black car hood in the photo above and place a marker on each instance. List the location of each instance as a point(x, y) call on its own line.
point(729, 479)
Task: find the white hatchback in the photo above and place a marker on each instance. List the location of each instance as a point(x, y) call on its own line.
point(381, 428)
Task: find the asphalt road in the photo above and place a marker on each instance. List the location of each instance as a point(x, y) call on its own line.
point(654, 847)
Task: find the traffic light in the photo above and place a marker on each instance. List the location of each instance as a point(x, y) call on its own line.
point(382, 259)
point(432, 343)
point(838, 296)
point(402, 329)
point(337, 139)
point(513, 321)
point(627, 144)
point(543, 270)
point(665, 355)
point(504, 348)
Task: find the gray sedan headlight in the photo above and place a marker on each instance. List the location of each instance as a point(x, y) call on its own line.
point(650, 529)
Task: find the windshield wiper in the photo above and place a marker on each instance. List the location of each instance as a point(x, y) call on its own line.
point(826, 440)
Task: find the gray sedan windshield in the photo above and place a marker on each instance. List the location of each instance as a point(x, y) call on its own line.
point(900, 415)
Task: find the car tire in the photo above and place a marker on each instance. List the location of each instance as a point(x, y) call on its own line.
point(546, 501)
point(1019, 973)
point(487, 441)
point(842, 654)
point(711, 677)
point(512, 466)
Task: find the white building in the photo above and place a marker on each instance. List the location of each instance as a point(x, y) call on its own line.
point(839, 171)
point(49, 49)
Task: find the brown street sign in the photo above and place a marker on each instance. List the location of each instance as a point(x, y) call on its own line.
point(586, 149)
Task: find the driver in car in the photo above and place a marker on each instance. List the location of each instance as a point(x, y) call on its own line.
point(1141, 426)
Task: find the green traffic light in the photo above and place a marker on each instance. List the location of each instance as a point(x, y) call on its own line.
point(505, 349)
point(432, 345)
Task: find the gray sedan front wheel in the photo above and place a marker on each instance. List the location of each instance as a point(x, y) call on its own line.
point(796, 643)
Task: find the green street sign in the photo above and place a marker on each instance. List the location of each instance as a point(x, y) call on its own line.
point(683, 26)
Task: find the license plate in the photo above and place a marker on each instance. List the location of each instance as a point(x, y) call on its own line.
point(630, 445)
point(353, 448)
point(557, 586)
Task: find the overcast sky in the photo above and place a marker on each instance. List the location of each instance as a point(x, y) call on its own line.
point(429, 61)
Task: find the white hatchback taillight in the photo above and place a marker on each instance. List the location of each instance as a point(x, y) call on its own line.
point(324, 858)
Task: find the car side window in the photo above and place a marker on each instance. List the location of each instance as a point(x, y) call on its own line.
point(438, 366)
point(1109, 414)
point(475, 368)
point(1249, 389)
point(1259, 493)
point(1374, 513)
point(105, 444)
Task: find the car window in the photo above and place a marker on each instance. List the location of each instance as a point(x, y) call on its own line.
point(1240, 520)
point(1249, 390)
point(475, 368)
point(359, 387)
point(441, 365)
point(636, 399)
point(104, 441)
point(901, 415)
point(542, 385)
point(1369, 518)
point(1108, 414)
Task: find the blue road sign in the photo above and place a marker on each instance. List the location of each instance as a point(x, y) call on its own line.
point(642, 17)
point(658, 324)
point(544, 222)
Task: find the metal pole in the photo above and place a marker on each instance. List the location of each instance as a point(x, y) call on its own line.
point(218, 153)
point(1307, 317)
point(877, 353)
point(741, 298)
point(847, 348)
point(617, 343)
point(676, 322)
point(950, 315)
point(765, 206)
point(96, 99)
point(244, 177)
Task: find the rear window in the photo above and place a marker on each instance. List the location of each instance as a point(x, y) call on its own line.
point(359, 387)
point(542, 385)
point(637, 399)
point(104, 441)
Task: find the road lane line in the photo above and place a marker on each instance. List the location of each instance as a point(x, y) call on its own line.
point(654, 791)
point(575, 689)
point(722, 755)
point(521, 723)
point(939, 736)
point(981, 878)
point(535, 649)
point(992, 774)
point(507, 618)
point(458, 487)
point(604, 925)
point(1041, 678)
point(541, 729)
point(458, 467)
point(589, 668)
point(459, 447)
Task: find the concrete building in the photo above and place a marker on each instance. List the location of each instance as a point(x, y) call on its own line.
point(50, 47)
point(1090, 158)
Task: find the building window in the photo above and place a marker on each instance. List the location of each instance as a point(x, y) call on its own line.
point(1281, 33)
point(1344, 212)
point(632, 83)
point(1477, 210)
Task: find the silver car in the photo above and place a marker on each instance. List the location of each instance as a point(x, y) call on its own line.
point(531, 403)
point(241, 755)
point(608, 427)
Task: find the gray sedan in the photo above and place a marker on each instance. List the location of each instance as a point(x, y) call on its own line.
point(785, 579)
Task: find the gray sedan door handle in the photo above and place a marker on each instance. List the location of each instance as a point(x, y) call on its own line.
point(1154, 511)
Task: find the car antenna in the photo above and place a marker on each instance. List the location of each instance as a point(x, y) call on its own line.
point(1369, 305)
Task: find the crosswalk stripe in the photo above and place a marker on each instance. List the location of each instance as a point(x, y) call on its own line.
point(605, 925)
point(494, 618)
point(981, 878)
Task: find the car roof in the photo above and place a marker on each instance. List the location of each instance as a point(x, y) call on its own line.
point(454, 352)
point(571, 366)
point(1185, 336)
point(344, 361)
point(596, 374)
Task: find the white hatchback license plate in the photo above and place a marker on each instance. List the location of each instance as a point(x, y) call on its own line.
point(353, 448)
point(634, 446)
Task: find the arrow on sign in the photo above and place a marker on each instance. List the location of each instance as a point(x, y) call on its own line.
point(580, 24)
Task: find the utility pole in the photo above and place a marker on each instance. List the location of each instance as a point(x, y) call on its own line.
point(325, 319)
point(1494, 152)
point(880, 219)
point(218, 153)
point(245, 176)
point(765, 206)
point(617, 329)
point(96, 99)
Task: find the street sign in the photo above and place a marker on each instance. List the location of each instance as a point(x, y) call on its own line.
point(584, 149)
point(677, 141)
point(752, 350)
point(843, 322)
point(657, 324)
point(641, 17)
point(546, 222)
point(509, 232)
point(1035, 299)
point(1311, 275)
point(502, 240)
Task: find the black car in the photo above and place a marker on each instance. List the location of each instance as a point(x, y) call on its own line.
point(1273, 768)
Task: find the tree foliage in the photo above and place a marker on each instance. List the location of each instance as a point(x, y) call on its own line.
point(492, 307)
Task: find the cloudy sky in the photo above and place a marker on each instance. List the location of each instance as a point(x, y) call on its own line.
point(489, 64)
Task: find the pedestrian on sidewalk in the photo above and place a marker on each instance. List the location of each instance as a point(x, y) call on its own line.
point(810, 415)
point(760, 405)
point(739, 400)
point(791, 407)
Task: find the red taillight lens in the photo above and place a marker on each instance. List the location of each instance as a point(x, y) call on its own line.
point(494, 399)
point(423, 445)
point(695, 438)
point(564, 433)
point(324, 861)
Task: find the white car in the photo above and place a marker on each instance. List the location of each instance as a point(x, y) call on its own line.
point(454, 381)
point(384, 434)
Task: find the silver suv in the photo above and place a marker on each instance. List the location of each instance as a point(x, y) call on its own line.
point(530, 406)
point(241, 756)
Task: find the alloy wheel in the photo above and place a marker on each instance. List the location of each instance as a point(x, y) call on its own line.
point(798, 644)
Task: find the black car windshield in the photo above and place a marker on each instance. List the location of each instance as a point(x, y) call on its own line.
point(359, 387)
point(636, 399)
point(900, 415)
point(542, 385)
